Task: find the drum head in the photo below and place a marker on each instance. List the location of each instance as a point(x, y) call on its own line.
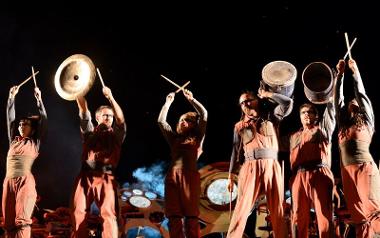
point(279, 73)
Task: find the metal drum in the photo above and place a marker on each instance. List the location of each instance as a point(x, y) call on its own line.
point(318, 81)
point(279, 77)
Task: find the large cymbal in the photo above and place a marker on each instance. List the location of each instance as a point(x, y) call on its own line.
point(74, 77)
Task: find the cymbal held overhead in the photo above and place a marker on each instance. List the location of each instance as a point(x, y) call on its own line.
point(74, 77)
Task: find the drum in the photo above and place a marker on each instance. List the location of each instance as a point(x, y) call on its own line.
point(318, 81)
point(215, 198)
point(279, 77)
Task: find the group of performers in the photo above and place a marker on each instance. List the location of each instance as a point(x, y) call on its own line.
point(255, 152)
point(256, 144)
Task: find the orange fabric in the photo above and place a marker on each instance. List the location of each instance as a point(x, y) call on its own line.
point(312, 188)
point(256, 177)
point(182, 194)
point(101, 188)
point(19, 197)
point(361, 185)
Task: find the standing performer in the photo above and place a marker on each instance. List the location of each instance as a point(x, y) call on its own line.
point(19, 187)
point(312, 181)
point(360, 175)
point(182, 182)
point(255, 137)
point(101, 154)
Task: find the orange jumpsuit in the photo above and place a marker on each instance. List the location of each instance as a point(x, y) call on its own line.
point(360, 175)
point(260, 172)
point(19, 187)
point(312, 182)
point(182, 181)
point(96, 182)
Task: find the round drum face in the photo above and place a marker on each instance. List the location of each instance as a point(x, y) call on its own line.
point(137, 191)
point(139, 201)
point(217, 192)
point(279, 73)
point(151, 195)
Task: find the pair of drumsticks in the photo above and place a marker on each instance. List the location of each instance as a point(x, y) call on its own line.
point(35, 82)
point(349, 47)
point(180, 88)
point(31, 77)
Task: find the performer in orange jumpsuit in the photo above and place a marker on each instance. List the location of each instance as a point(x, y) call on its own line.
point(255, 137)
point(101, 154)
point(19, 187)
point(312, 181)
point(182, 182)
point(360, 175)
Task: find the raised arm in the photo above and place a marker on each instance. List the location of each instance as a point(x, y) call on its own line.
point(327, 124)
point(201, 110)
point(285, 104)
point(119, 115)
point(43, 117)
point(338, 94)
point(84, 115)
point(11, 112)
point(120, 126)
point(361, 96)
point(162, 122)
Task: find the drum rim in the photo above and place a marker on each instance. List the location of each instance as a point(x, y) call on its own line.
point(289, 82)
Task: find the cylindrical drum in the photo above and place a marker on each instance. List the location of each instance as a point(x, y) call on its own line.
point(318, 81)
point(279, 76)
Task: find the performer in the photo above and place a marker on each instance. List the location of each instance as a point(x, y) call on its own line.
point(101, 154)
point(19, 187)
point(182, 182)
point(360, 175)
point(255, 146)
point(312, 181)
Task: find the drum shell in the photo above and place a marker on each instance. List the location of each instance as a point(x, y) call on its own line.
point(318, 81)
point(279, 77)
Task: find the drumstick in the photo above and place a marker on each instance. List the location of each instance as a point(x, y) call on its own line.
point(352, 44)
point(34, 78)
point(179, 87)
point(26, 80)
point(231, 202)
point(183, 87)
point(100, 77)
point(282, 170)
point(348, 45)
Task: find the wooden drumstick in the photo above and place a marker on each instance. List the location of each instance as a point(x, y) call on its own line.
point(34, 78)
point(348, 45)
point(179, 87)
point(183, 87)
point(231, 202)
point(100, 77)
point(26, 80)
point(349, 50)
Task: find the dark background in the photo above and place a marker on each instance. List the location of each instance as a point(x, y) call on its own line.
point(220, 48)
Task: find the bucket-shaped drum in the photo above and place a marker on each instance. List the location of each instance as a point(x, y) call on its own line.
point(318, 81)
point(279, 76)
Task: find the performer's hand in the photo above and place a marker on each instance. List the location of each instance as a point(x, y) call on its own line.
point(13, 91)
point(340, 67)
point(188, 94)
point(170, 97)
point(230, 185)
point(37, 93)
point(107, 92)
point(264, 94)
point(353, 66)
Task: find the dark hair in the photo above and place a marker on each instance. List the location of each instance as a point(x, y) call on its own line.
point(195, 118)
point(34, 119)
point(311, 106)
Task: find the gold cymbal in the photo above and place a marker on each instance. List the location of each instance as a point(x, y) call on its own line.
point(74, 77)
